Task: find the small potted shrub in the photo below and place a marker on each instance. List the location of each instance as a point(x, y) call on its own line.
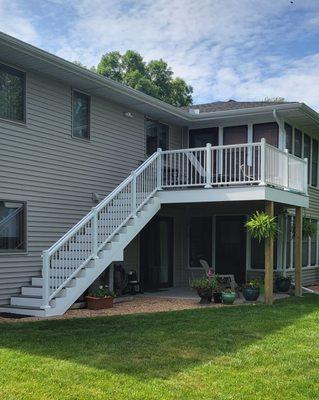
point(100, 298)
point(228, 296)
point(283, 283)
point(217, 290)
point(204, 288)
point(251, 290)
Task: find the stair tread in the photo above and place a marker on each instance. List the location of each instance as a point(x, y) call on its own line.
point(28, 296)
point(20, 307)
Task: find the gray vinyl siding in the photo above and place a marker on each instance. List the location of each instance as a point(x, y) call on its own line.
point(42, 164)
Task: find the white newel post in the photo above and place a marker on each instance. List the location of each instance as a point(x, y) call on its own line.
point(95, 233)
point(263, 162)
point(208, 166)
point(286, 177)
point(159, 169)
point(133, 193)
point(46, 278)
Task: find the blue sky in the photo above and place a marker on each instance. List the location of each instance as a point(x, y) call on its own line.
point(227, 49)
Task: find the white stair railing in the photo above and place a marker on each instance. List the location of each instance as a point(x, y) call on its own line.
point(81, 244)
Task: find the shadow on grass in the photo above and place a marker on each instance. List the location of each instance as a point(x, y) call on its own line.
point(157, 345)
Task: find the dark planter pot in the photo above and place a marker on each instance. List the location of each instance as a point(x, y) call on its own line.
point(283, 285)
point(251, 294)
point(217, 297)
point(205, 296)
point(98, 303)
point(228, 298)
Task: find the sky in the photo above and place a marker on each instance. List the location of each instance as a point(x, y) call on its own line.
point(226, 49)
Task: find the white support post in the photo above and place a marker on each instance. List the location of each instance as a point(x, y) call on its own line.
point(95, 231)
point(306, 176)
point(46, 279)
point(286, 177)
point(133, 193)
point(263, 162)
point(159, 169)
point(208, 166)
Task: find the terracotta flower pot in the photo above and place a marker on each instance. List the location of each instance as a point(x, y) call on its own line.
point(98, 303)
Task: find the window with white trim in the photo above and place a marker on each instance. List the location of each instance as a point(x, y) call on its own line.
point(12, 226)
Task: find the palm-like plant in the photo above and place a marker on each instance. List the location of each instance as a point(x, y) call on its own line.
point(262, 226)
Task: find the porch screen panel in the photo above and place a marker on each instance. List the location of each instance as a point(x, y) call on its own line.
point(307, 152)
point(235, 159)
point(298, 143)
point(200, 241)
point(268, 131)
point(200, 137)
point(314, 163)
point(288, 129)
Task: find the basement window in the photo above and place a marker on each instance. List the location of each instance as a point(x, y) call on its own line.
point(12, 226)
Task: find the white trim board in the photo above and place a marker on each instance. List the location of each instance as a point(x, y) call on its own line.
point(250, 193)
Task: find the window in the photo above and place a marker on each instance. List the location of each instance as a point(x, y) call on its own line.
point(288, 129)
point(81, 115)
point(298, 143)
point(314, 163)
point(307, 152)
point(12, 226)
point(313, 246)
point(12, 94)
point(156, 136)
point(200, 241)
point(235, 134)
point(268, 131)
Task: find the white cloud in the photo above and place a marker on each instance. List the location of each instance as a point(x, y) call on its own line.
point(14, 22)
point(225, 49)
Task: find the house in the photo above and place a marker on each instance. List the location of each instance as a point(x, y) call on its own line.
point(94, 172)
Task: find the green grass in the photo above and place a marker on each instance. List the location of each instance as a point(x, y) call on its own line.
point(246, 352)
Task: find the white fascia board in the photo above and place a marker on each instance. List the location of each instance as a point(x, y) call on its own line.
point(233, 194)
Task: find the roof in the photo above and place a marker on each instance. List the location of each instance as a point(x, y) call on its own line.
point(32, 59)
point(232, 105)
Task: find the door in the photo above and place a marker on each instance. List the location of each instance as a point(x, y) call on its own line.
point(231, 246)
point(156, 254)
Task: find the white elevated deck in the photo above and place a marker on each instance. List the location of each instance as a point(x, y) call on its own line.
point(255, 171)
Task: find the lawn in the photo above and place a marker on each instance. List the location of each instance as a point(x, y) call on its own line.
point(245, 352)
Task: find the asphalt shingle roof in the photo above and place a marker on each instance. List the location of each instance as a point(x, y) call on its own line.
point(230, 105)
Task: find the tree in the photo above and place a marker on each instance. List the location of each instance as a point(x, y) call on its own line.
point(155, 78)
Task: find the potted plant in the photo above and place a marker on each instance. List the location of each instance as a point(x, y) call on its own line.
point(204, 288)
point(251, 290)
point(283, 283)
point(100, 298)
point(217, 290)
point(228, 296)
point(261, 226)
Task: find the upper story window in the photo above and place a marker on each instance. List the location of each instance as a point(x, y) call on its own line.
point(12, 94)
point(314, 163)
point(200, 137)
point(12, 226)
point(307, 152)
point(156, 136)
point(81, 115)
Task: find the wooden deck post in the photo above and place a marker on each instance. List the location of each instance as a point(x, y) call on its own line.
point(269, 260)
point(298, 252)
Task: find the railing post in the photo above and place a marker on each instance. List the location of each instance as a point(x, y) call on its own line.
point(159, 169)
point(133, 193)
point(95, 232)
point(306, 176)
point(208, 166)
point(287, 169)
point(263, 162)
point(46, 279)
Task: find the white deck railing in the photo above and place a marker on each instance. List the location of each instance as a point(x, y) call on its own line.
point(244, 164)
